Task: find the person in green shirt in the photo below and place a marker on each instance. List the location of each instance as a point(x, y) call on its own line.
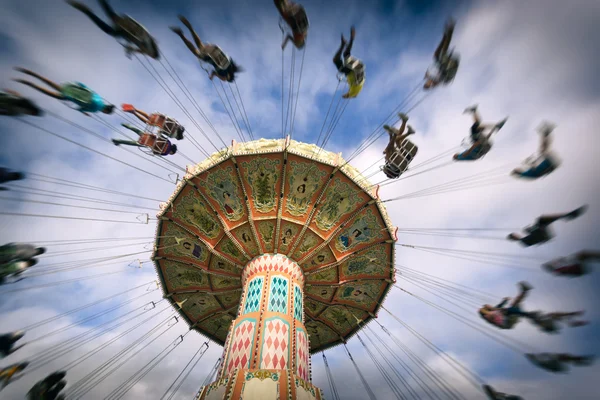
point(351, 67)
point(19, 252)
point(15, 268)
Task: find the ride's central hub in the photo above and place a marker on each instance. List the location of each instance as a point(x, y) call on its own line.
point(264, 243)
point(269, 331)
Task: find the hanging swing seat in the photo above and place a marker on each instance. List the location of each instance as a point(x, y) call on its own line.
point(218, 57)
point(298, 20)
point(152, 143)
point(357, 66)
point(134, 32)
point(537, 166)
point(400, 160)
point(162, 125)
point(480, 150)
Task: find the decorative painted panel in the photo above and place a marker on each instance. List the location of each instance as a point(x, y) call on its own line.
point(183, 277)
point(218, 325)
point(339, 201)
point(176, 242)
point(245, 237)
point(266, 233)
point(219, 282)
point(322, 293)
point(287, 235)
point(313, 308)
point(372, 263)
point(308, 242)
point(240, 351)
point(328, 275)
point(304, 180)
point(304, 390)
point(197, 305)
point(229, 249)
point(261, 385)
point(222, 186)
point(364, 229)
point(360, 293)
point(298, 311)
point(254, 295)
point(320, 334)
point(219, 264)
point(191, 209)
point(322, 258)
point(302, 354)
point(262, 177)
point(278, 294)
point(275, 349)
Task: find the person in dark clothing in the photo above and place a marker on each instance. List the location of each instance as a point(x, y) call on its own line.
point(540, 232)
point(224, 67)
point(122, 27)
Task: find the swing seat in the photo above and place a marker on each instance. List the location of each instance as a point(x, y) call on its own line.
point(538, 166)
point(479, 152)
point(167, 126)
point(136, 34)
point(219, 58)
point(357, 66)
point(152, 143)
point(400, 160)
point(298, 19)
point(448, 67)
point(134, 29)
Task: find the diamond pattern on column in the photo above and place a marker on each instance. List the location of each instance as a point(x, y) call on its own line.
point(297, 303)
point(302, 354)
point(279, 294)
point(254, 295)
point(275, 350)
point(241, 345)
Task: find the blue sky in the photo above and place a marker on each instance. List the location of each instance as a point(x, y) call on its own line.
point(530, 60)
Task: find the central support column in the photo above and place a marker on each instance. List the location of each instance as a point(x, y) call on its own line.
point(269, 331)
point(266, 355)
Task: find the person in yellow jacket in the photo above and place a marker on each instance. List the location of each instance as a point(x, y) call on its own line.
point(351, 67)
point(7, 373)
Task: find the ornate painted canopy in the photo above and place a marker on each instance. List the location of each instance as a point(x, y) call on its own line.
point(276, 196)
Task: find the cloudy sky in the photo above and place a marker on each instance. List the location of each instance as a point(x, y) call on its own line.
point(531, 61)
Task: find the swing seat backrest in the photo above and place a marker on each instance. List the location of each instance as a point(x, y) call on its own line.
point(357, 66)
point(400, 159)
point(157, 119)
point(482, 150)
point(299, 20)
point(147, 139)
point(159, 145)
point(136, 34)
point(219, 58)
point(171, 128)
point(403, 156)
point(133, 29)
